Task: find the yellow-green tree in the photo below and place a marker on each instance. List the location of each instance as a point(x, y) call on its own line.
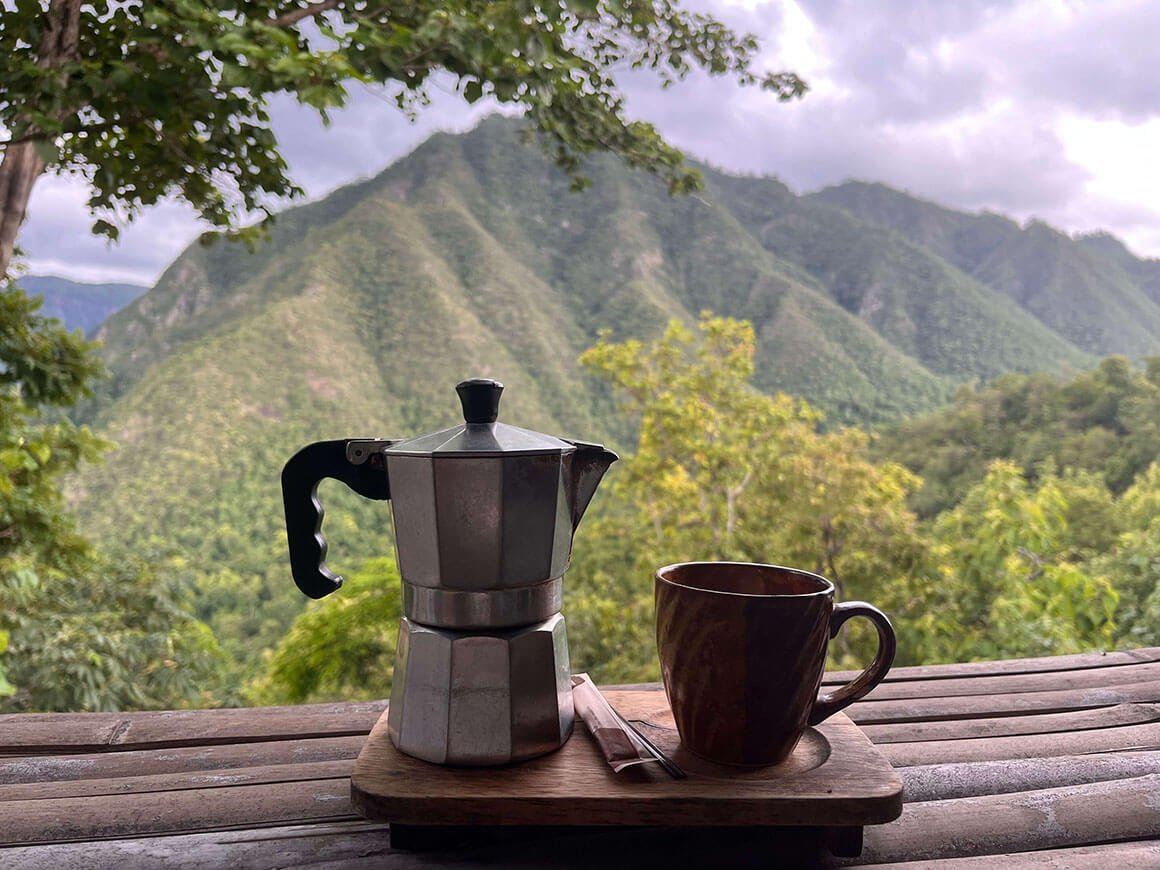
point(705, 434)
point(1006, 586)
point(723, 471)
point(1134, 561)
point(342, 647)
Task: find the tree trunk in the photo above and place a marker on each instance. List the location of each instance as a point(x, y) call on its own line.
point(19, 171)
point(22, 164)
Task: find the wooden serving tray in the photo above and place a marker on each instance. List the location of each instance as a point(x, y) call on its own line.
point(835, 779)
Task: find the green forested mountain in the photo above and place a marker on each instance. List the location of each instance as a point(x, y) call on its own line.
point(80, 306)
point(1105, 422)
point(470, 257)
point(1091, 291)
point(918, 301)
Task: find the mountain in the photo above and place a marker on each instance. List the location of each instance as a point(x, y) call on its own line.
point(911, 296)
point(1146, 273)
point(480, 233)
point(470, 257)
point(79, 306)
point(1092, 292)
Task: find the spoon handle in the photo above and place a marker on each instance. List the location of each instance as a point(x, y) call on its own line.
point(671, 767)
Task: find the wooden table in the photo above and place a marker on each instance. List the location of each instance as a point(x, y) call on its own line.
point(1050, 762)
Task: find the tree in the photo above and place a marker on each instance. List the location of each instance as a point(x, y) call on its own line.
point(1134, 561)
point(151, 99)
point(722, 471)
point(42, 367)
point(342, 646)
point(705, 433)
point(76, 632)
point(1106, 421)
point(1007, 586)
point(103, 636)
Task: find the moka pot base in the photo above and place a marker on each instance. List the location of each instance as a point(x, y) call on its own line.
point(481, 698)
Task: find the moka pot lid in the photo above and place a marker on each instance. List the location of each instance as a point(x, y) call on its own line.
point(480, 435)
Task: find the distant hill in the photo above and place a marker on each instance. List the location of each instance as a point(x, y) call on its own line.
point(913, 297)
point(1091, 291)
point(471, 257)
point(79, 306)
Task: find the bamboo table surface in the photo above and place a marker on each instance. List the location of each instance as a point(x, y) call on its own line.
point(1051, 762)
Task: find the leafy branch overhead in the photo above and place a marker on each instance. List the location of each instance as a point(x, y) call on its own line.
point(159, 98)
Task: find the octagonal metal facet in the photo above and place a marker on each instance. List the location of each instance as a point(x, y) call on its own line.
point(482, 542)
point(481, 699)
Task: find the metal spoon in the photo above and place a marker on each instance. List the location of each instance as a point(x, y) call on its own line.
point(671, 767)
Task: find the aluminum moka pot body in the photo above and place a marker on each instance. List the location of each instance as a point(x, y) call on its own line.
point(482, 542)
point(481, 698)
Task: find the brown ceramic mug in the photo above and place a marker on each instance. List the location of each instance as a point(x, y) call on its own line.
point(742, 649)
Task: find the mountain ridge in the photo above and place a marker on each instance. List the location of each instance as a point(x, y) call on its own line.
point(1083, 291)
point(77, 304)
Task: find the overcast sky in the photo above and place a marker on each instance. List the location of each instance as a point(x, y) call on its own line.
point(1032, 108)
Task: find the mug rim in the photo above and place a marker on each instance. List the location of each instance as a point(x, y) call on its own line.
point(827, 585)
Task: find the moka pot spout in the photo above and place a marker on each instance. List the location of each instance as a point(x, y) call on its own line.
point(588, 465)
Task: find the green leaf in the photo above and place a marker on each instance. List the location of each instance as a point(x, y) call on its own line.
point(46, 150)
point(472, 91)
point(102, 227)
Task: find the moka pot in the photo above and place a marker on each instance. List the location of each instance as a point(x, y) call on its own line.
point(484, 515)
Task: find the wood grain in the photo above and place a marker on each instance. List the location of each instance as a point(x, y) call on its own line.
point(1102, 812)
point(31, 733)
point(322, 844)
point(1048, 723)
point(172, 761)
point(1096, 678)
point(1122, 856)
point(974, 778)
point(935, 708)
point(199, 779)
point(107, 816)
point(1046, 664)
point(1127, 737)
point(836, 777)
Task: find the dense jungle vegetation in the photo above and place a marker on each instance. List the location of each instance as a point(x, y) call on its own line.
point(1049, 544)
point(1011, 518)
point(1022, 520)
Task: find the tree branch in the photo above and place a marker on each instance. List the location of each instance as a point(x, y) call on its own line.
point(27, 137)
point(122, 120)
point(307, 11)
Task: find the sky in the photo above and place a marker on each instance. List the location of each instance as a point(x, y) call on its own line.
point(1033, 108)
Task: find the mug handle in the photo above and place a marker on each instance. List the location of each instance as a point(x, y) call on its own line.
point(829, 704)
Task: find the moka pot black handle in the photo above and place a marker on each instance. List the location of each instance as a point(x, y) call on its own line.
point(357, 462)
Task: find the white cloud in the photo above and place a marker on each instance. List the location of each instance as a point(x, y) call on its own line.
point(57, 238)
point(1123, 187)
point(973, 104)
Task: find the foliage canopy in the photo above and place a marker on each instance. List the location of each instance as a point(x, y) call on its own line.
point(723, 472)
point(152, 99)
point(77, 631)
